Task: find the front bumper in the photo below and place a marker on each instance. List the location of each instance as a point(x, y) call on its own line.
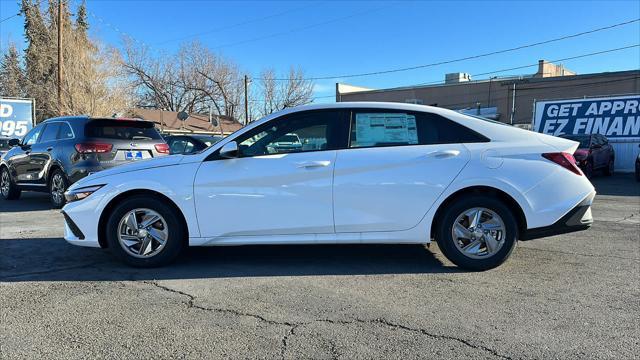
point(577, 219)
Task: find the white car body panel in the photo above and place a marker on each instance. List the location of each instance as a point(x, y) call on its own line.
point(283, 194)
point(358, 197)
point(391, 189)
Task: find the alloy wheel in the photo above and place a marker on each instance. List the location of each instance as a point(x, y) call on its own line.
point(478, 233)
point(4, 183)
point(57, 188)
point(142, 233)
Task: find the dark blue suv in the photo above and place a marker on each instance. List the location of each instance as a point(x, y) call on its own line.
point(60, 151)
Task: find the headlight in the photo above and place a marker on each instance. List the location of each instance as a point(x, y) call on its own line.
point(81, 193)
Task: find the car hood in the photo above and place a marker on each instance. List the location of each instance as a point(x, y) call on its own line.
point(161, 161)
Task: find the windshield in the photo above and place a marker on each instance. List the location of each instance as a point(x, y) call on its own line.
point(4, 144)
point(121, 129)
point(583, 140)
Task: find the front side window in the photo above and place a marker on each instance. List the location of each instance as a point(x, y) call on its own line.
point(378, 128)
point(301, 132)
point(32, 136)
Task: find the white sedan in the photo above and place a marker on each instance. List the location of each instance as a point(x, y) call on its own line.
point(384, 173)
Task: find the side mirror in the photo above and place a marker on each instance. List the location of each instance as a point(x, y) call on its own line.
point(230, 150)
point(14, 142)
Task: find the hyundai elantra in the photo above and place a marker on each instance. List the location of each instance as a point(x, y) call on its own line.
point(383, 173)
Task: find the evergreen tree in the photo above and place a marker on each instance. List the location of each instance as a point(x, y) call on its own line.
point(11, 74)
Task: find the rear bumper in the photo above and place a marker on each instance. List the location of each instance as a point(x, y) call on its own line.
point(577, 219)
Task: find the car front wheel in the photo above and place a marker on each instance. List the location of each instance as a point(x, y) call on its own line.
point(8, 188)
point(477, 232)
point(144, 231)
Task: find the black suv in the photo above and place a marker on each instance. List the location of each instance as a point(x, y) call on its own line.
point(60, 151)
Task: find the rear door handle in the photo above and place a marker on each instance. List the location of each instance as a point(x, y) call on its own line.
point(313, 164)
point(443, 154)
point(49, 149)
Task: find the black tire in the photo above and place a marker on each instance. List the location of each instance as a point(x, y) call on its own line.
point(58, 184)
point(588, 169)
point(637, 173)
point(176, 231)
point(9, 190)
point(445, 239)
point(608, 171)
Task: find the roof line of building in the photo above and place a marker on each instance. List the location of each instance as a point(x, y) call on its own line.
point(502, 80)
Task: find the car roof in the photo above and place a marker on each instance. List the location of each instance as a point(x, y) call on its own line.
point(87, 118)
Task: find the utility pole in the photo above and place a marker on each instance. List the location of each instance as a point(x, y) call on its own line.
point(246, 99)
point(60, 57)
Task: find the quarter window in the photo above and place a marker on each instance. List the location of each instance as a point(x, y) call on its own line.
point(395, 128)
point(65, 132)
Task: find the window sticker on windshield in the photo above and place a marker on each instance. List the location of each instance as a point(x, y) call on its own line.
point(376, 129)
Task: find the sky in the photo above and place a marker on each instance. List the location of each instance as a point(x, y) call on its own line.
point(336, 38)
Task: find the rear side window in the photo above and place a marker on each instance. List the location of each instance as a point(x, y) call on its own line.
point(121, 129)
point(50, 132)
point(393, 128)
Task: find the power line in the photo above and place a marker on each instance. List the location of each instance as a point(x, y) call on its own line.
point(251, 21)
point(550, 61)
point(10, 17)
point(306, 27)
point(439, 82)
point(473, 56)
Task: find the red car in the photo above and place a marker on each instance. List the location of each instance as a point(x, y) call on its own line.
point(594, 153)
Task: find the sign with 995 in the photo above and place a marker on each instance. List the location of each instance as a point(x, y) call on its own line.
point(16, 117)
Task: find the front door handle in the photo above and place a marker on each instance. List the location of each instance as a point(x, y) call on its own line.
point(49, 149)
point(313, 164)
point(443, 154)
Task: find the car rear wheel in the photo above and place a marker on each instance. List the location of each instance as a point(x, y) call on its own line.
point(145, 232)
point(477, 233)
point(588, 170)
point(8, 188)
point(57, 186)
point(610, 167)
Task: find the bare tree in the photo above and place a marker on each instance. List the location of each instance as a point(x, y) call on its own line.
point(277, 94)
point(216, 78)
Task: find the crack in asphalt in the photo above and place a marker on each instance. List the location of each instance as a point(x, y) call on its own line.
point(628, 217)
point(293, 326)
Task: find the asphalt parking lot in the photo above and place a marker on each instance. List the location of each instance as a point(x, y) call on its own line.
point(570, 296)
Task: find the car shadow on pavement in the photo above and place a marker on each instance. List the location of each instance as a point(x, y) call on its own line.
point(52, 259)
point(617, 185)
point(29, 201)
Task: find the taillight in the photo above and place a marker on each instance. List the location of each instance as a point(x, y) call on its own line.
point(162, 148)
point(565, 160)
point(89, 148)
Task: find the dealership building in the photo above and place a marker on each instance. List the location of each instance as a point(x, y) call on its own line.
point(514, 99)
